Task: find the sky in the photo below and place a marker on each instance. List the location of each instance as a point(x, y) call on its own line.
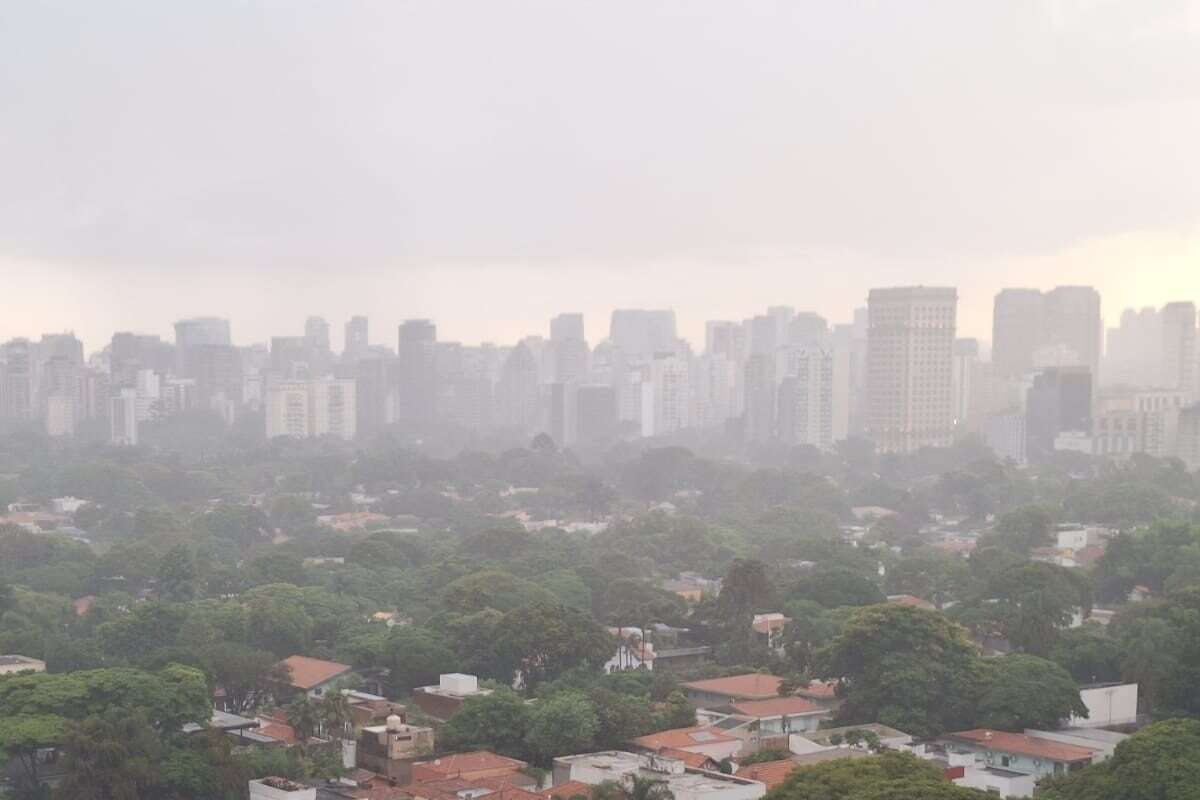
point(489, 164)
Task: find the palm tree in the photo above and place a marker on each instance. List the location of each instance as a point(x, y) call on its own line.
point(334, 713)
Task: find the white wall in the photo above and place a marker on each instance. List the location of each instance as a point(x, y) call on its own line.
point(1109, 705)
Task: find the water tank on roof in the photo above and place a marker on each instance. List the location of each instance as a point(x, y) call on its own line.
point(395, 722)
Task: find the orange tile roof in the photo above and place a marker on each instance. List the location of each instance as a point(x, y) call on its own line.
point(307, 673)
point(824, 690)
point(752, 686)
point(683, 738)
point(565, 791)
point(284, 733)
point(481, 760)
point(1003, 742)
point(772, 773)
point(450, 789)
point(776, 707)
point(910, 601)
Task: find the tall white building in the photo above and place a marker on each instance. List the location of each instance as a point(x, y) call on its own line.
point(1179, 347)
point(966, 356)
point(910, 365)
point(672, 394)
point(122, 415)
point(805, 408)
point(300, 409)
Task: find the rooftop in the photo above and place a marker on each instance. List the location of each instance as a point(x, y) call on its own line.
point(777, 707)
point(772, 773)
point(478, 761)
point(8, 661)
point(307, 673)
point(681, 738)
point(752, 686)
point(1021, 744)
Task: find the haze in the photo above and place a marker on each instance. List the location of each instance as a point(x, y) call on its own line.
point(491, 164)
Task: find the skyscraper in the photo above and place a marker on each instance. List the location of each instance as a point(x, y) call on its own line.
point(569, 348)
point(759, 416)
point(966, 356)
point(1073, 319)
point(910, 354)
point(805, 411)
point(316, 333)
point(640, 333)
point(1179, 347)
point(417, 366)
point(202, 330)
point(357, 340)
point(1018, 329)
point(1059, 401)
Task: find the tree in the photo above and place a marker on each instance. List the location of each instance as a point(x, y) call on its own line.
point(1088, 653)
point(492, 588)
point(1022, 530)
point(838, 586)
point(1022, 691)
point(905, 667)
point(23, 735)
point(112, 757)
point(544, 640)
point(417, 656)
point(620, 717)
point(641, 788)
point(887, 776)
point(177, 574)
point(677, 712)
point(1037, 602)
point(334, 714)
point(247, 675)
point(498, 722)
point(1159, 762)
point(304, 718)
point(565, 723)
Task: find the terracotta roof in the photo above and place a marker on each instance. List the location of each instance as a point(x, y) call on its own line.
point(83, 604)
point(776, 707)
point(284, 733)
point(306, 673)
point(481, 760)
point(766, 623)
point(693, 760)
point(1018, 743)
point(753, 686)
point(565, 791)
point(683, 738)
point(910, 601)
point(451, 788)
point(772, 773)
point(823, 690)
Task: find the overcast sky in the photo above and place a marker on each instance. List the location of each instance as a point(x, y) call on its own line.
point(491, 163)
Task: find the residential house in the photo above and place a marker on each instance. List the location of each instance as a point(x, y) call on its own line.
point(280, 789)
point(1108, 704)
point(768, 773)
point(314, 676)
point(781, 716)
point(715, 692)
point(390, 749)
point(473, 766)
point(443, 701)
point(690, 591)
point(823, 693)
point(888, 737)
point(1010, 763)
point(770, 627)
point(683, 783)
point(703, 739)
point(682, 657)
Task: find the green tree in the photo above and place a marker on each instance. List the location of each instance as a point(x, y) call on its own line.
point(498, 722)
point(905, 667)
point(838, 586)
point(417, 657)
point(1022, 691)
point(620, 717)
point(1159, 762)
point(565, 723)
point(247, 675)
point(887, 776)
point(1089, 653)
point(642, 788)
point(542, 641)
point(677, 712)
point(304, 717)
point(1037, 602)
point(493, 588)
point(23, 735)
point(177, 574)
point(111, 757)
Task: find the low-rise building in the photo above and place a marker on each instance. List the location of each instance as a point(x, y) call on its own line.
point(280, 789)
point(390, 749)
point(314, 676)
point(1108, 704)
point(478, 765)
point(735, 688)
point(1011, 763)
point(443, 701)
point(703, 739)
point(684, 784)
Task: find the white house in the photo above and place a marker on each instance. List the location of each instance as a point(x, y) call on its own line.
point(1108, 704)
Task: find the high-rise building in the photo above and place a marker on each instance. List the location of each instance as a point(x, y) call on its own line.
point(17, 387)
point(291, 358)
point(375, 393)
point(1073, 319)
point(517, 393)
point(1179, 347)
point(966, 357)
point(910, 355)
point(596, 414)
point(563, 413)
point(641, 333)
point(217, 372)
point(130, 352)
point(286, 407)
point(357, 340)
point(319, 407)
point(417, 372)
point(808, 327)
point(567, 326)
point(805, 410)
point(569, 348)
point(1059, 401)
point(316, 334)
point(672, 394)
point(1133, 356)
point(201, 330)
point(123, 421)
point(759, 416)
point(1018, 329)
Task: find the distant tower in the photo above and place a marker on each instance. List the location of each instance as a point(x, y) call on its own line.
point(417, 368)
point(356, 338)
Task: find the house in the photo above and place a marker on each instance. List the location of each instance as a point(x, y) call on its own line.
point(352, 520)
point(1011, 763)
point(692, 760)
point(703, 739)
point(631, 656)
point(768, 773)
point(782, 716)
point(888, 737)
point(463, 789)
point(690, 591)
point(12, 665)
point(910, 601)
point(371, 709)
point(771, 627)
point(683, 783)
point(823, 693)
point(443, 701)
point(390, 749)
point(682, 657)
point(83, 605)
point(568, 791)
point(472, 766)
point(723, 691)
point(314, 676)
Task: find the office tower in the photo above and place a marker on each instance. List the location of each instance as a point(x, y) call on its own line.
point(570, 349)
point(202, 330)
point(1073, 320)
point(808, 328)
point(1133, 356)
point(1005, 434)
point(783, 316)
point(1187, 447)
point(517, 392)
point(672, 394)
point(291, 358)
point(635, 400)
point(596, 414)
point(966, 357)
point(1179, 347)
point(148, 393)
point(1018, 328)
point(123, 422)
point(375, 393)
point(286, 407)
point(763, 335)
point(61, 345)
point(850, 377)
point(805, 408)
point(759, 416)
point(216, 370)
point(130, 352)
point(417, 367)
point(567, 326)
point(1059, 401)
point(60, 414)
point(640, 333)
point(357, 339)
point(178, 395)
point(17, 370)
point(316, 334)
point(562, 412)
point(94, 395)
point(910, 355)
point(716, 390)
point(725, 338)
point(332, 407)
